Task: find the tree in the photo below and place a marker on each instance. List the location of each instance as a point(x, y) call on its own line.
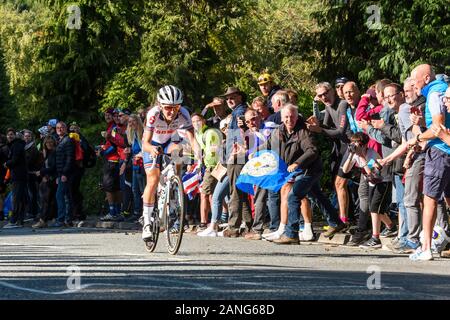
point(181, 45)
point(82, 61)
point(410, 31)
point(8, 114)
point(20, 39)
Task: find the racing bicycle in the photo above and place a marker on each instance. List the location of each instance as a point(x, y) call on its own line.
point(168, 215)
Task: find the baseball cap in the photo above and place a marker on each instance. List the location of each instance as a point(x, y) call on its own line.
point(341, 80)
point(265, 78)
point(126, 111)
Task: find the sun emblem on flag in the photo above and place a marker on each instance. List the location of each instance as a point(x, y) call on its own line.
point(265, 164)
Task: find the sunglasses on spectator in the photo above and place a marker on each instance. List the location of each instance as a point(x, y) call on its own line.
point(338, 86)
point(446, 99)
point(251, 120)
point(323, 94)
point(391, 96)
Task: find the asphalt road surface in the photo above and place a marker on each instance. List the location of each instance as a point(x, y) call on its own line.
point(101, 264)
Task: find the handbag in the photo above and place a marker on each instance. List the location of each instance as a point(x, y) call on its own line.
point(219, 171)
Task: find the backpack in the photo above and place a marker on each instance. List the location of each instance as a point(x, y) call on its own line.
point(84, 153)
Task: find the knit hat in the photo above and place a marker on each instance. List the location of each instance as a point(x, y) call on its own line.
point(43, 130)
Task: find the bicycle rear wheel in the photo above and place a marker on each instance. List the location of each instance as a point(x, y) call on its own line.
point(174, 215)
point(150, 244)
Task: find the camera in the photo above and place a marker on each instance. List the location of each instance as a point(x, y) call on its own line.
point(242, 118)
point(352, 148)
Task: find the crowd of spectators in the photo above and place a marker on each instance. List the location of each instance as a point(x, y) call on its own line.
point(388, 141)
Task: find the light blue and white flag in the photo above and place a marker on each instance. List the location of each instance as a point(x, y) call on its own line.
point(265, 170)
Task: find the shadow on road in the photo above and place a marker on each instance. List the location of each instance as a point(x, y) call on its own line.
point(34, 272)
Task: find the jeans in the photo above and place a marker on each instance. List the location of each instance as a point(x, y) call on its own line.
point(19, 190)
point(125, 187)
point(63, 200)
point(364, 205)
point(302, 186)
point(273, 203)
point(33, 195)
point(412, 200)
point(324, 203)
point(261, 212)
point(400, 192)
point(221, 191)
point(138, 187)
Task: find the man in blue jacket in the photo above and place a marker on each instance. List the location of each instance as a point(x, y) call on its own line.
point(436, 180)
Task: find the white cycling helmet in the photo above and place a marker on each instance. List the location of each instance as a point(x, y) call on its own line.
point(170, 95)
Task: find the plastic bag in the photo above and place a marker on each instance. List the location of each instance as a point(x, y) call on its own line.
point(8, 205)
point(439, 239)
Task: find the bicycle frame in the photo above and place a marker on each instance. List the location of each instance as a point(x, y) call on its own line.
point(163, 190)
point(161, 216)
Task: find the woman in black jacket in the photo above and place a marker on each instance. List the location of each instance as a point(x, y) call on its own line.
point(18, 168)
point(4, 151)
point(47, 187)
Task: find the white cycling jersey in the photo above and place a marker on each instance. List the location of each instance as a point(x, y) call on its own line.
point(162, 132)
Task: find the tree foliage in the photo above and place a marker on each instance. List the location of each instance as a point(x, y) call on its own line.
point(125, 50)
point(411, 31)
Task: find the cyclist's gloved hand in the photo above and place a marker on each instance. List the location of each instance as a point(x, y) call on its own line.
point(155, 151)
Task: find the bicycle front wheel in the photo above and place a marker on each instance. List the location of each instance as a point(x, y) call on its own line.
point(174, 214)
